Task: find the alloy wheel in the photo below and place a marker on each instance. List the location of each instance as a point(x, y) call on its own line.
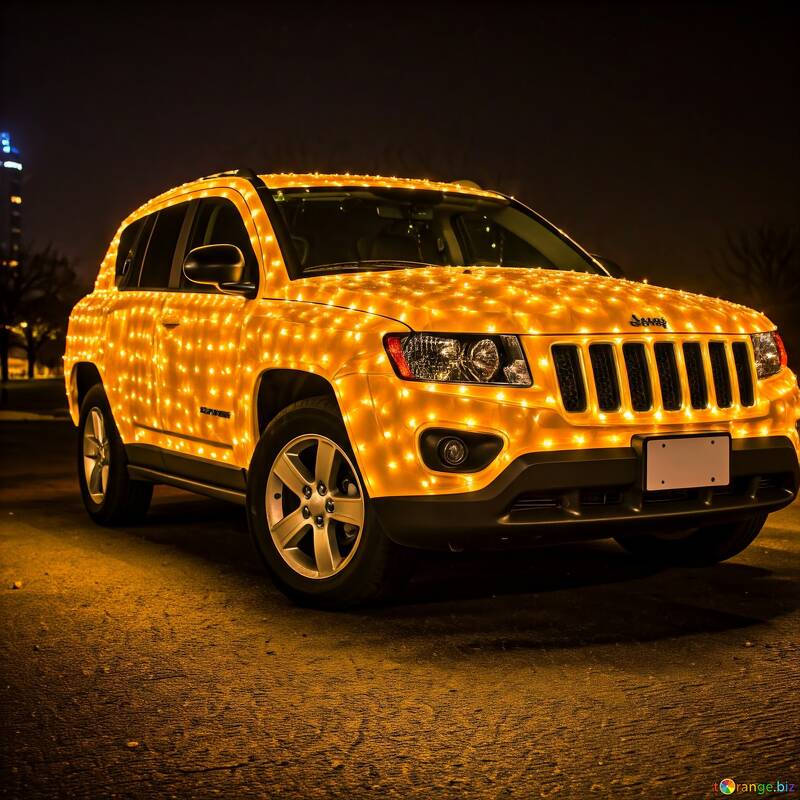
point(96, 455)
point(315, 506)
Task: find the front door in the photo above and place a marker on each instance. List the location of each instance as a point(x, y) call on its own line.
point(198, 344)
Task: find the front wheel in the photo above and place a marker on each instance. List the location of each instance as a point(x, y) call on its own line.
point(309, 513)
point(699, 547)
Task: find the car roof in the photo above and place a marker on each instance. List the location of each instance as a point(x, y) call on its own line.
point(286, 180)
point(294, 180)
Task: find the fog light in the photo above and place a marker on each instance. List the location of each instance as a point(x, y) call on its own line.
point(446, 450)
point(453, 451)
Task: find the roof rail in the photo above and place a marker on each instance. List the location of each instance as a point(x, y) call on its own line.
point(243, 172)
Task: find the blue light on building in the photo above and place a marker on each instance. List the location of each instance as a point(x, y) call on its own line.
point(10, 202)
point(5, 144)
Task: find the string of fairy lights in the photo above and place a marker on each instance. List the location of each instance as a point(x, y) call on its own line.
point(157, 378)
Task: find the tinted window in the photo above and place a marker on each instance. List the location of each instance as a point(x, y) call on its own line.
point(132, 245)
point(489, 243)
point(161, 249)
point(127, 249)
point(348, 228)
point(218, 221)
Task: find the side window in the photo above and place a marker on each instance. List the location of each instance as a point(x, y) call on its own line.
point(218, 221)
point(132, 245)
point(161, 248)
point(127, 250)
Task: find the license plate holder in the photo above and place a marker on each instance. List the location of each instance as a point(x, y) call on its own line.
point(695, 461)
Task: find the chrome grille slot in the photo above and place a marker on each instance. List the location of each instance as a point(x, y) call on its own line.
point(698, 390)
point(570, 377)
point(605, 376)
point(667, 367)
point(638, 376)
point(722, 378)
point(744, 375)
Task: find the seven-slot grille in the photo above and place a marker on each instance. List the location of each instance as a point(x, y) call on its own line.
point(641, 367)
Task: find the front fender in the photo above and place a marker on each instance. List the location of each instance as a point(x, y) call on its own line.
point(341, 345)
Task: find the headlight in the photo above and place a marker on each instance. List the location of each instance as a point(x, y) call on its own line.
point(769, 353)
point(459, 359)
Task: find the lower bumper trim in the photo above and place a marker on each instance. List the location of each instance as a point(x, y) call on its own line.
point(571, 495)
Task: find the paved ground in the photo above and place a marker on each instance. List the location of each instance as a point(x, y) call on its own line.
point(566, 673)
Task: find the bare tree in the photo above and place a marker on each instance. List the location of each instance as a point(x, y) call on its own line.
point(44, 285)
point(761, 268)
point(763, 264)
point(45, 320)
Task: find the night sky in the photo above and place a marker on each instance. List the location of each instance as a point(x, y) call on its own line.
point(645, 131)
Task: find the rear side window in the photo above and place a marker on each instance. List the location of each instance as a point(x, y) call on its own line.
point(132, 244)
point(127, 250)
point(161, 248)
point(218, 221)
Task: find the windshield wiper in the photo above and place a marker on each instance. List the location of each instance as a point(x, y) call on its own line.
point(365, 264)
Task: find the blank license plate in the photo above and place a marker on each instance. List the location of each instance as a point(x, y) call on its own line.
point(687, 462)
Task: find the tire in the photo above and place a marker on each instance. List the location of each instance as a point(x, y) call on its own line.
point(110, 496)
point(297, 521)
point(699, 547)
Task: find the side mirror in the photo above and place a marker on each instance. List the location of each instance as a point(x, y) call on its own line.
point(220, 265)
point(611, 267)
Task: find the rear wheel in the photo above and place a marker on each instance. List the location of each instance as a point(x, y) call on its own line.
point(310, 516)
point(109, 494)
point(699, 547)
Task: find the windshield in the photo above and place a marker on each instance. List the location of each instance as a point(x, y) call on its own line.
point(336, 230)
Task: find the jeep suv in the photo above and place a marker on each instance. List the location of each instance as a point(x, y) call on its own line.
point(372, 364)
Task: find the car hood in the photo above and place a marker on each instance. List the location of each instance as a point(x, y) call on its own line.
point(533, 301)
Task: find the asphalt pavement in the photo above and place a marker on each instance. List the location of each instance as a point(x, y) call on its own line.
point(157, 661)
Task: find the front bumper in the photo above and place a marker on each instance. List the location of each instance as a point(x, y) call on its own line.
point(571, 495)
point(389, 416)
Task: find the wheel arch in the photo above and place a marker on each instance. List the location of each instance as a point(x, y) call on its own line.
point(278, 388)
point(84, 375)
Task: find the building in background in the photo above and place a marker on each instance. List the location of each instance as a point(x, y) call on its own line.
point(10, 202)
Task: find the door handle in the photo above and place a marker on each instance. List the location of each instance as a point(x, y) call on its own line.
point(170, 322)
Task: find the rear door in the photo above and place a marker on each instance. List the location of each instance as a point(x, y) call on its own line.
point(144, 281)
point(198, 342)
point(131, 319)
